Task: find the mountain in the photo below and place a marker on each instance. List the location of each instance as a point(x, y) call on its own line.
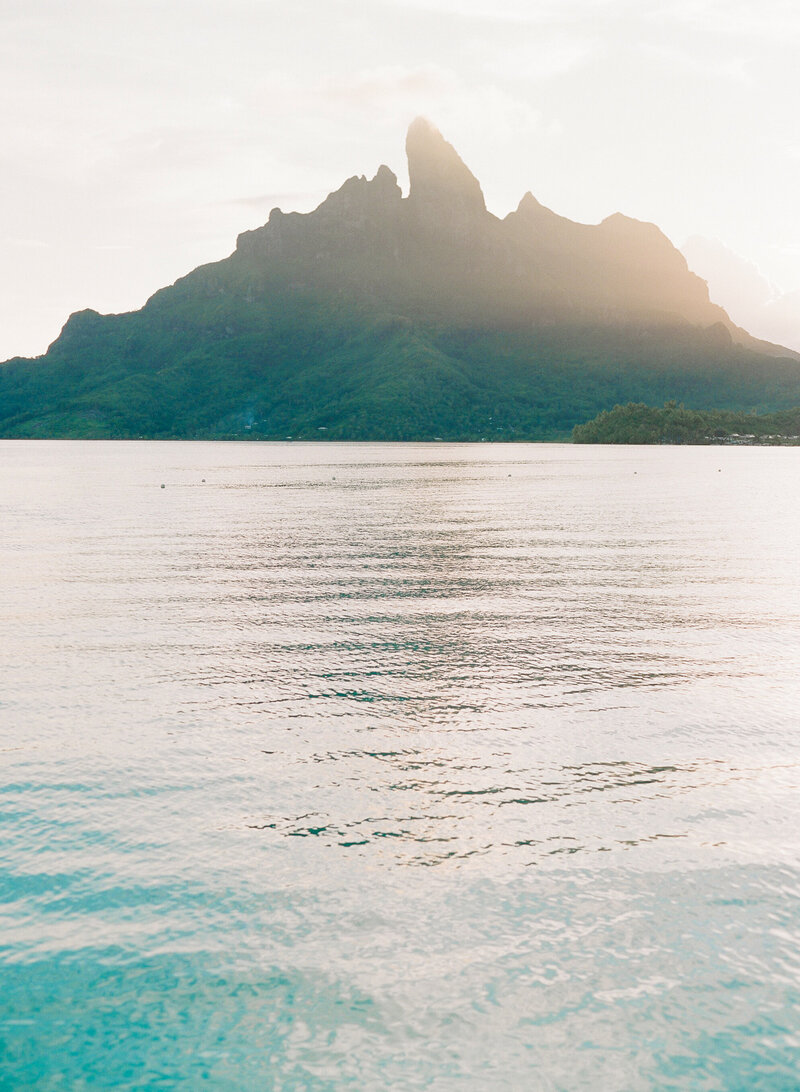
point(379, 316)
point(744, 292)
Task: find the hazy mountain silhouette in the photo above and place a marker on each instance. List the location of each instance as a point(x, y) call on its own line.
point(440, 254)
point(744, 292)
point(379, 316)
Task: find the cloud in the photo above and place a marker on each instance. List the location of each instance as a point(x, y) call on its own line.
point(28, 244)
point(271, 200)
point(515, 11)
point(371, 86)
point(770, 19)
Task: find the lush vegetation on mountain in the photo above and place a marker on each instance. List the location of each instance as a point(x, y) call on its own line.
point(636, 423)
point(135, 376)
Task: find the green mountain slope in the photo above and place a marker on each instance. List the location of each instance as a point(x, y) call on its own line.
point(383, 317)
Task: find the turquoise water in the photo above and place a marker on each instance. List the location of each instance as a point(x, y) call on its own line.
point(399, 766)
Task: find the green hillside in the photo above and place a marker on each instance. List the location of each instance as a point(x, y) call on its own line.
point(386, 380)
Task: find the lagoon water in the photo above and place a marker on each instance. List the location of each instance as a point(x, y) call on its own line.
point(399, 767)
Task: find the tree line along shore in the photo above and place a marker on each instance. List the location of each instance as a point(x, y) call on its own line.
point(673, 423)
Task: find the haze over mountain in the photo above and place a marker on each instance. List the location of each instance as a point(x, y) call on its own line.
point(388, 317)
point(440, 254)
point(744, 292)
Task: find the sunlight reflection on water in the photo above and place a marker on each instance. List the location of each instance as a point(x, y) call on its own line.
point(403, 766)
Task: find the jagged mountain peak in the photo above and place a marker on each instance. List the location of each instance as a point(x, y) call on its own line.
point(437, 173)
point(382, 317)
point(359, 191)
point(529, 203)
point(531, 209)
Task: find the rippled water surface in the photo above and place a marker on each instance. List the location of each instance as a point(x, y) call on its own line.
point(399, 767)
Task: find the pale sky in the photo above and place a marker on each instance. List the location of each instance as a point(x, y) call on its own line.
point(139, 137)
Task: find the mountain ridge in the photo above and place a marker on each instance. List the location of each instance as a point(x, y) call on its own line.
point(373, 303)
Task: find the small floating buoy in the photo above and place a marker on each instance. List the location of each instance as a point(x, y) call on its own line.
point(204, 479)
